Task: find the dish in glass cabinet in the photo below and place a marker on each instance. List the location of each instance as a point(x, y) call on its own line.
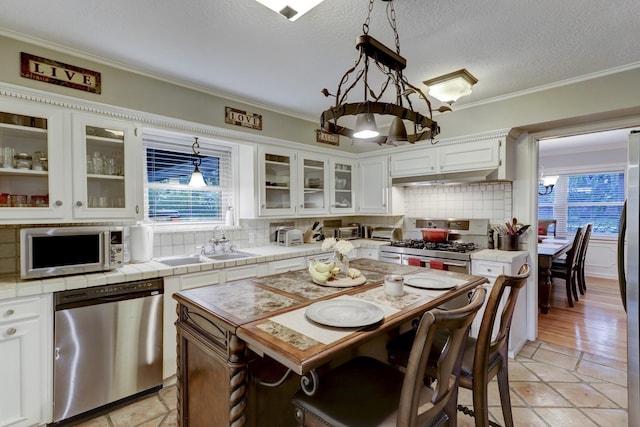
point(344, 313)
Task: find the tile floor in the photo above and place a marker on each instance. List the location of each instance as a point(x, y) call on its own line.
point(550, 386)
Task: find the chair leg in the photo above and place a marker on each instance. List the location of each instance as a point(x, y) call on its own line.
point(568, 286)
point(574, 286)
point(505, 397)
point(480, 401)
point(581, 281)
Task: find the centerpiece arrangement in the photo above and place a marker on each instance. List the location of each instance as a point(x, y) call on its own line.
point(337, 272)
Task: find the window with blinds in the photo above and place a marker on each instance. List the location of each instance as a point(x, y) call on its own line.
point(580, 199)
point(169, 164)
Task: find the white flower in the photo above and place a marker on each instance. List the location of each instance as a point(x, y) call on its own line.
point(328, 243)
point(342, 247)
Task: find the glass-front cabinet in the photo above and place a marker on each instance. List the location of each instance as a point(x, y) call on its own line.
point(278, 181)
point(105, 163)
point(342, 186)
point(314, 171)
point(31, 166)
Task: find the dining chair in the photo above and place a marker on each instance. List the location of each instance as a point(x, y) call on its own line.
point(367, 392)
point(484, 357)
point(565, 268)
point(582, 256)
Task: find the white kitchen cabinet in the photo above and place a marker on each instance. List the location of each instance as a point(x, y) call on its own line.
point(369, 253)
point(28, 194)
point(491, 270)
point(173, 284)
point(26, 335)
point(342, 186)
point(373, 186)
point(54, 185)
point(420, 161)
point(313, 197)
point(286, 265)
point(471, 156)
point(277, 181)
point(106, 163)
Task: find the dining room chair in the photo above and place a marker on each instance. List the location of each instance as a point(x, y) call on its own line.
point(565, 268)
point(367, 392)
point(484, 357)
point(582, 256)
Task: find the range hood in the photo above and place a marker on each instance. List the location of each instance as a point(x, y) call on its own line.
point(482, 175)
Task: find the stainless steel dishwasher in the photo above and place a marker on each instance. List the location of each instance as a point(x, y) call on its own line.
point(108, 346)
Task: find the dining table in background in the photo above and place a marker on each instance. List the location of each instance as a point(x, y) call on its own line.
point(245, 347)
point(548, 250)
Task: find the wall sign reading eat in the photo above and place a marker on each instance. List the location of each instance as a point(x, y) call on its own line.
point(58, 73)
point(242, 118)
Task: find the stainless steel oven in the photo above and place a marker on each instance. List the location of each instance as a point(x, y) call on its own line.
point(458, 266)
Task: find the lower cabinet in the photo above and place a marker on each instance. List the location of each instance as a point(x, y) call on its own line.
point(26, 336)
point(286, 265)
point(368, 253)
point(491, 270)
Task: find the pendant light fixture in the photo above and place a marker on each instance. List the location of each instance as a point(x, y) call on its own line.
point(548, 182)
point(391, 64)
point(197, 180)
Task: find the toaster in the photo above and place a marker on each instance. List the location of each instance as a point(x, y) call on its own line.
point(289, 237)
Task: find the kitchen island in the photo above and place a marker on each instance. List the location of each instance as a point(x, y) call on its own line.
point(245, 347)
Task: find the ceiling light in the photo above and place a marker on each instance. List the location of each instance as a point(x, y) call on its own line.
point(197, 180)
point(290, 9)
point(390, 65)
point(450, 87)
point(365, 126)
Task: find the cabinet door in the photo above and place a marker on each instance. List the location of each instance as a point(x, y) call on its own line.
point(422, 161)
point(342, 186)
point(287, 265)
point(314, 180)
point(32, 187)
point(107, 168)
point(373, 186)
point(277, 181)
point(470, 156)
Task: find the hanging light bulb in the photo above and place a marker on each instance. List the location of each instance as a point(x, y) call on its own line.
point(365, 126)
point(197, 180)
point(397, 133)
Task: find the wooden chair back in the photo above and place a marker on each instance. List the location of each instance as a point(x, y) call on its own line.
point(454, 324)
point(581, 258)
point(545, 224)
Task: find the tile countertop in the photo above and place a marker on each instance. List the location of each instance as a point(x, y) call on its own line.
point(12, 286)
point(499, 256)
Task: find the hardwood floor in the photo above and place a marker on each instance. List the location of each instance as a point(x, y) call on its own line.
point(596, 324)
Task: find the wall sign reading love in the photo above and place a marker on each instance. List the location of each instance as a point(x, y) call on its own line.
point(58, 73)
point(242, 118)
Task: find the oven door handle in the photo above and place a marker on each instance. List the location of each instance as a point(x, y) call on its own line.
point(382, 255)
point(453, 264)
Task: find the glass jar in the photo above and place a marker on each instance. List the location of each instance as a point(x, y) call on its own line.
point(40, 161)
point(22, 161)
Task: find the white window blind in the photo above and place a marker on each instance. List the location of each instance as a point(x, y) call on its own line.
point(580, 199)
point(168, 167)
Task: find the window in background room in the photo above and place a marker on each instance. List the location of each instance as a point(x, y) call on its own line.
point(169, 164)
point(580, 199)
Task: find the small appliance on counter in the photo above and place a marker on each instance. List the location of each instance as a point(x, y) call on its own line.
point(289, 237)
point(347, 233)
point(386, 233)
point(140, 243)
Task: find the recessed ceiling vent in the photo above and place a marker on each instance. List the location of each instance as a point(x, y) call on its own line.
point(288, 12)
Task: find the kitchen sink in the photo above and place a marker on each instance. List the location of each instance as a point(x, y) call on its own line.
point(226, 256)
point(175, 261)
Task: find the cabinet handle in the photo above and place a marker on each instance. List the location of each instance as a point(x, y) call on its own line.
point(9, 312)
point(11, 331)
point(79, 203)
point(137, 209)
point(58, 202)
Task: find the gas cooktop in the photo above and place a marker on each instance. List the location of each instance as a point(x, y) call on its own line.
point(449, 250)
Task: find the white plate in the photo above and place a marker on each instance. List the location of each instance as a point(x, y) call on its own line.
point(429, 283)
point(344, 313)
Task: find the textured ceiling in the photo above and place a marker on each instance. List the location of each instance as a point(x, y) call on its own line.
point(244, 50)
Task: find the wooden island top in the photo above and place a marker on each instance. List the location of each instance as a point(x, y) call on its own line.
point(230, 334)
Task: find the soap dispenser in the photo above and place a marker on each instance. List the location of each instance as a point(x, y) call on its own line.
point(228, 219)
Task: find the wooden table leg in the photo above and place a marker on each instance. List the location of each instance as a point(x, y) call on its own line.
point(544, 283)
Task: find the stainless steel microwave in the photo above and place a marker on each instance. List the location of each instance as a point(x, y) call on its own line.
point(46, 252)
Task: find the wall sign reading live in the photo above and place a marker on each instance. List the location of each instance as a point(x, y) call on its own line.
point(236, 117)
point(58, 73)
point(327, 137)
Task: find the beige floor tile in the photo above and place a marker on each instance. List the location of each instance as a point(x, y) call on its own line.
point(95, 422)
point(494, 395)
point(546, 372)
point(560, 349)
point(171, 420)
point(527, 350)
point(519, 372)
point(602, 372)
point(522, 417)
point(169, 397)
point(583, 395)
point(138, 412)
point(608, 417)
point(612, 363)
point(565, 417)
point(539, 395)
point(555, 358)
point(614, 392)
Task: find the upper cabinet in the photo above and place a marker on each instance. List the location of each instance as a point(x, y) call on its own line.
point(410, 163)
point(314, 179)
point(106, 156)
point(342, 186)
point(277, 181)
point(373, 184)
point(45, 175)
point(476, 155)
